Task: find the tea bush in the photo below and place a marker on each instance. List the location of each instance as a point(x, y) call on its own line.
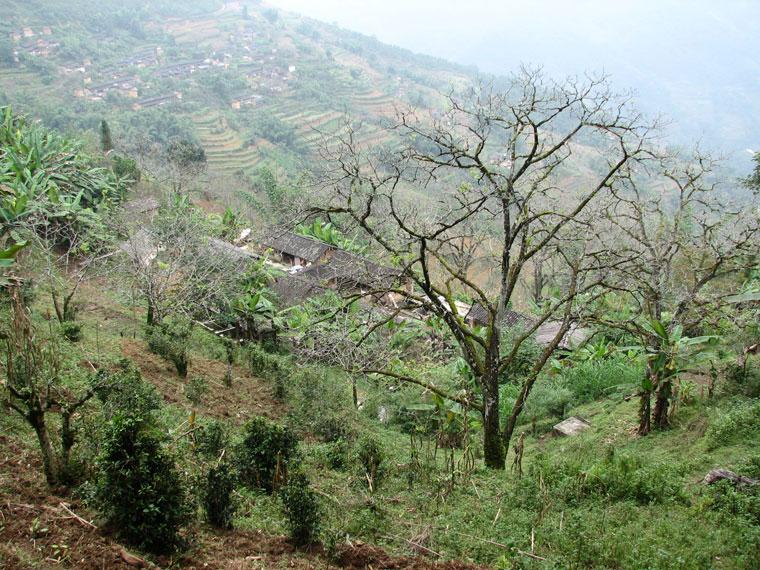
point(302, 509)
point(371, 458)
point(217, 495)
point(739, 422)
point(266, 451)
point(139, 487)
point(170, 341)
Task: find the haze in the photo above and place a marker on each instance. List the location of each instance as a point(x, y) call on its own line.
point(694, 61)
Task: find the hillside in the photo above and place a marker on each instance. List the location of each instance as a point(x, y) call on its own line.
point(255, 86)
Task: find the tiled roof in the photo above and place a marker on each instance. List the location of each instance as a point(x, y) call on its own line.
point(296, 245)
point(480, 315)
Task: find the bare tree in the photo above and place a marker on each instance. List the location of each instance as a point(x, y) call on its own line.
point(176, 269)
point(518, 204)
point(686, 242)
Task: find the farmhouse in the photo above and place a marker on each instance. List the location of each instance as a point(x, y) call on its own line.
point(295, 250)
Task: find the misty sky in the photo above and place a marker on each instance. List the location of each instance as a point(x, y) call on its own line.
point(698, 61)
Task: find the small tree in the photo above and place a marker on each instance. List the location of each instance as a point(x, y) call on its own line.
point(38, 385)
point(170, 340)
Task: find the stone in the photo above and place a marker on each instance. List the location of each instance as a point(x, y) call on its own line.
point(716, 475)
point(571, 426)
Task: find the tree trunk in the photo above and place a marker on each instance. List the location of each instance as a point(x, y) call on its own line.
point(644, 412)
point(662, 402)
point(150, 318)
point(493, 447)
point(50, 462)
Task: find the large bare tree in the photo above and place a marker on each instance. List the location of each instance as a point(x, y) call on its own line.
point(522, 172)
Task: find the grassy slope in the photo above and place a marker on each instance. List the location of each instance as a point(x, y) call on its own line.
point(476, 515)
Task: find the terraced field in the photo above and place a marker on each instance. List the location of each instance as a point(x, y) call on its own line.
point(225, 150)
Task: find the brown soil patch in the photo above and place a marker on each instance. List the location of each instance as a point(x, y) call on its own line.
point(35, 530)
point(248, 395)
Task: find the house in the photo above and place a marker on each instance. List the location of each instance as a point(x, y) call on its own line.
point(27, 32)
point(242, 257)
point(156, 101)
point(294, 249)
point(245, 101)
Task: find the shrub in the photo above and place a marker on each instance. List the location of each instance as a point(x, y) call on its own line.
point(126, 392)
point(268, 366)
point(265, 453)
point(740, 422)
point(371, 456)
point(331, 420)
point(71, 331)
point(139, 488)
point(170, 341)
point(302, 510)
point(212, 439)
point(744, 380)
point(217, 496)
point(594, 379)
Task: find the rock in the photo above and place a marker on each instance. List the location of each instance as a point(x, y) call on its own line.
point(571, 426)
point(132, 560)
point(725, 475)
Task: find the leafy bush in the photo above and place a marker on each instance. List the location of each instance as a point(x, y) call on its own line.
point(265, 453)
point(371, 456)
point(126, 392)
point(738, 423)
point(212, 439)
point(617, 477)
point(139, 488)
point(736, 501)
point(170, 341)
point(302, 510)
point(71, 331)
point(331, 420)
point(594, 379)
point(268, 366)
point(744, 380)
point(217, 495)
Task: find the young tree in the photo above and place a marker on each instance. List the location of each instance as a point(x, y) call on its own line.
point(519, 208)
point(38, 385)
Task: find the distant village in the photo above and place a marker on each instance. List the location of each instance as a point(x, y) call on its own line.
point(135, 77)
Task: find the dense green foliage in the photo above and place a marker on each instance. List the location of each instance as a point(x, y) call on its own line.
point(265, 453)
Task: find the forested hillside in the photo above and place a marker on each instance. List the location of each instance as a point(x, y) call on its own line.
point(275, 295)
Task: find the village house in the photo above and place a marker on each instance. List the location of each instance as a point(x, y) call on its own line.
point(157, 101)
point(294, 250)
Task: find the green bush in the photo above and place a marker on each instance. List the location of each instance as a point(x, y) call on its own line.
point(139, 487)
point(170, 341)
point(371, 458)
point(618, 477)
point(71, 331)
point(738, 423)
point(265, 453)
point(744, 380)
point(332, 419)
point(593, 379)
point(217, 495)
point(211, 439)
point(270, 367)
point(302, 509)
point(126, 392)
